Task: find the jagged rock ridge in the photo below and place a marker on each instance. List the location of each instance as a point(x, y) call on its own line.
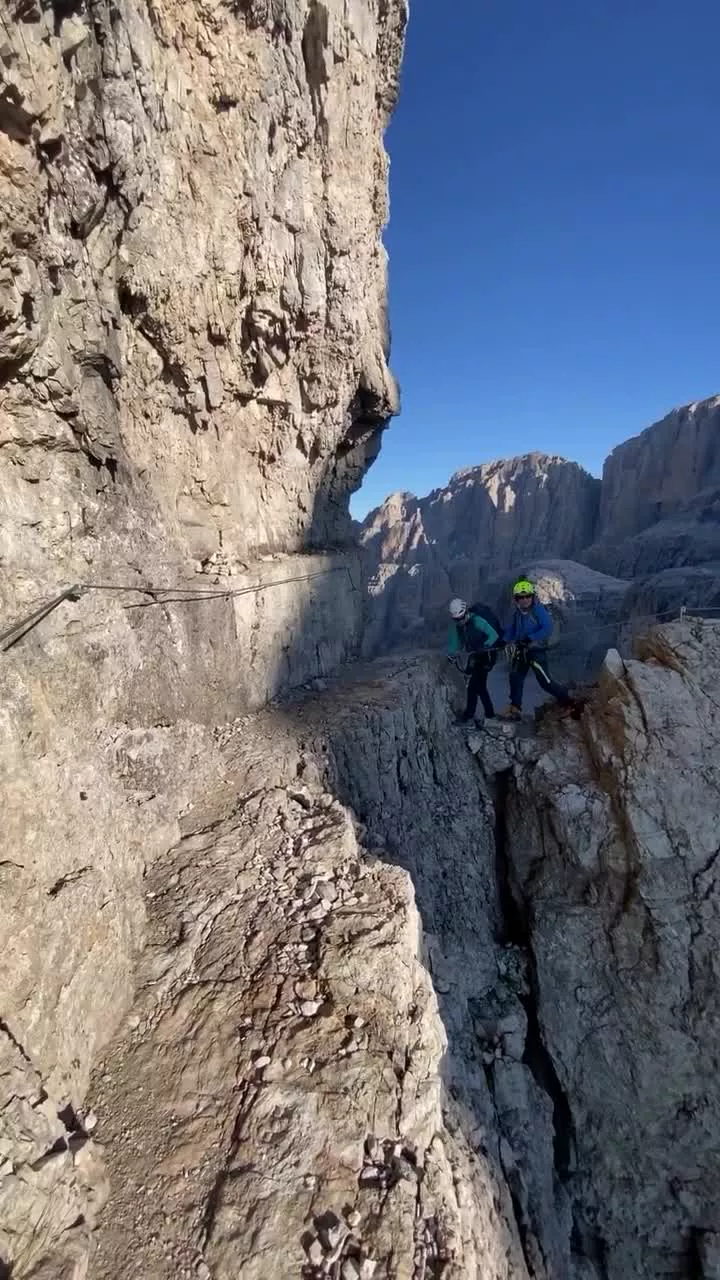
point(660, 497)
point(655, 510)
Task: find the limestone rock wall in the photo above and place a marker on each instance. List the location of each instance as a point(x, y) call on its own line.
point(660, 507)
point(660, 504)
point(193, 378)
point(610, 845)
point(492, 515)
point(194, 336)
point(662, 470)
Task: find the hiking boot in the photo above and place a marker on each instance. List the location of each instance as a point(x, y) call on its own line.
point(511, 713)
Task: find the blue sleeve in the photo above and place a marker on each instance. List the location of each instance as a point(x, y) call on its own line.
point(543, 626)
point(509, 631)
point(486, 630)
point(453, 641)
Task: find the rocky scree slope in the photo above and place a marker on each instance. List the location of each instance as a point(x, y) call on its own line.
point(655, 512)
point(193, 378)
point(277, 1101)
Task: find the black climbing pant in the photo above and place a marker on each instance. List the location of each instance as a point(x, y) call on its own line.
point(534, 660)
point(479, 667)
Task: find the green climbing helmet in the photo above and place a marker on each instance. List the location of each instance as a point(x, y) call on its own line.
point(523, 588)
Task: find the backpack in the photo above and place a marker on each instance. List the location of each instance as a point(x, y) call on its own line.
point(472, 638)
point(554, 638)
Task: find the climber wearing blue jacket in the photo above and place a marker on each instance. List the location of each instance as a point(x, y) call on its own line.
point(527, 635)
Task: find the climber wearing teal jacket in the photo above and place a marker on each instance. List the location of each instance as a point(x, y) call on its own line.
point(527, 637)
point(476, 631)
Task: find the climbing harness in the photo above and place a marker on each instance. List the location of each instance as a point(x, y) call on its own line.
point(460, 662)
point(516, 654)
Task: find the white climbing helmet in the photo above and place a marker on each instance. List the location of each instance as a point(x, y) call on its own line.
point(458, 609)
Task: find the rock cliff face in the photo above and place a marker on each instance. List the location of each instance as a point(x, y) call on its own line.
point(610, 847)
point(193, 378)
point(671, 472)
point(194, 335)
point(659, 520)
point(660, 504)
point(490, 517)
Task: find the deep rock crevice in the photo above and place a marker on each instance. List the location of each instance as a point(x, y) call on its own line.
point(405, 813)
point(516, 930)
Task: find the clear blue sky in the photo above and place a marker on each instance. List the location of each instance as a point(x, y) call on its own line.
point(555, 230)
